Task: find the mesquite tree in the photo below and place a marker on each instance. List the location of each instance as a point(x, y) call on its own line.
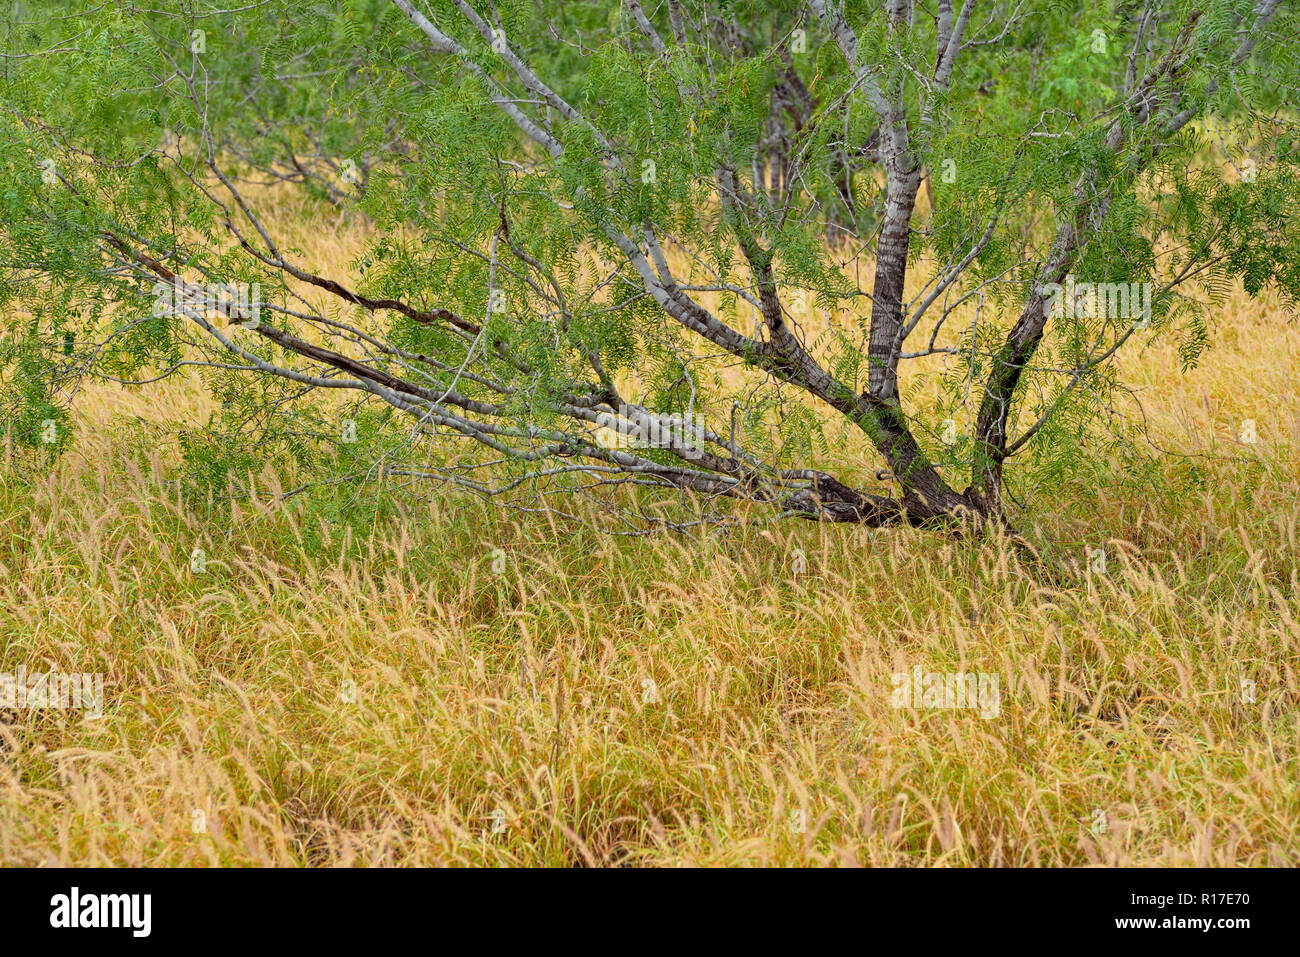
point(624, 248)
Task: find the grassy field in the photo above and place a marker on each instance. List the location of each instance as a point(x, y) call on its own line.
point(367, 677)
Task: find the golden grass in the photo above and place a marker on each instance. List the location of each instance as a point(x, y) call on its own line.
point(373, 693)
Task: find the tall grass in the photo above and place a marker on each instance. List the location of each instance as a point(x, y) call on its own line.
point(361, 675)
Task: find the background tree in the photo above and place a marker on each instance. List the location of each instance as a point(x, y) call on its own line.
point(562, 188)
